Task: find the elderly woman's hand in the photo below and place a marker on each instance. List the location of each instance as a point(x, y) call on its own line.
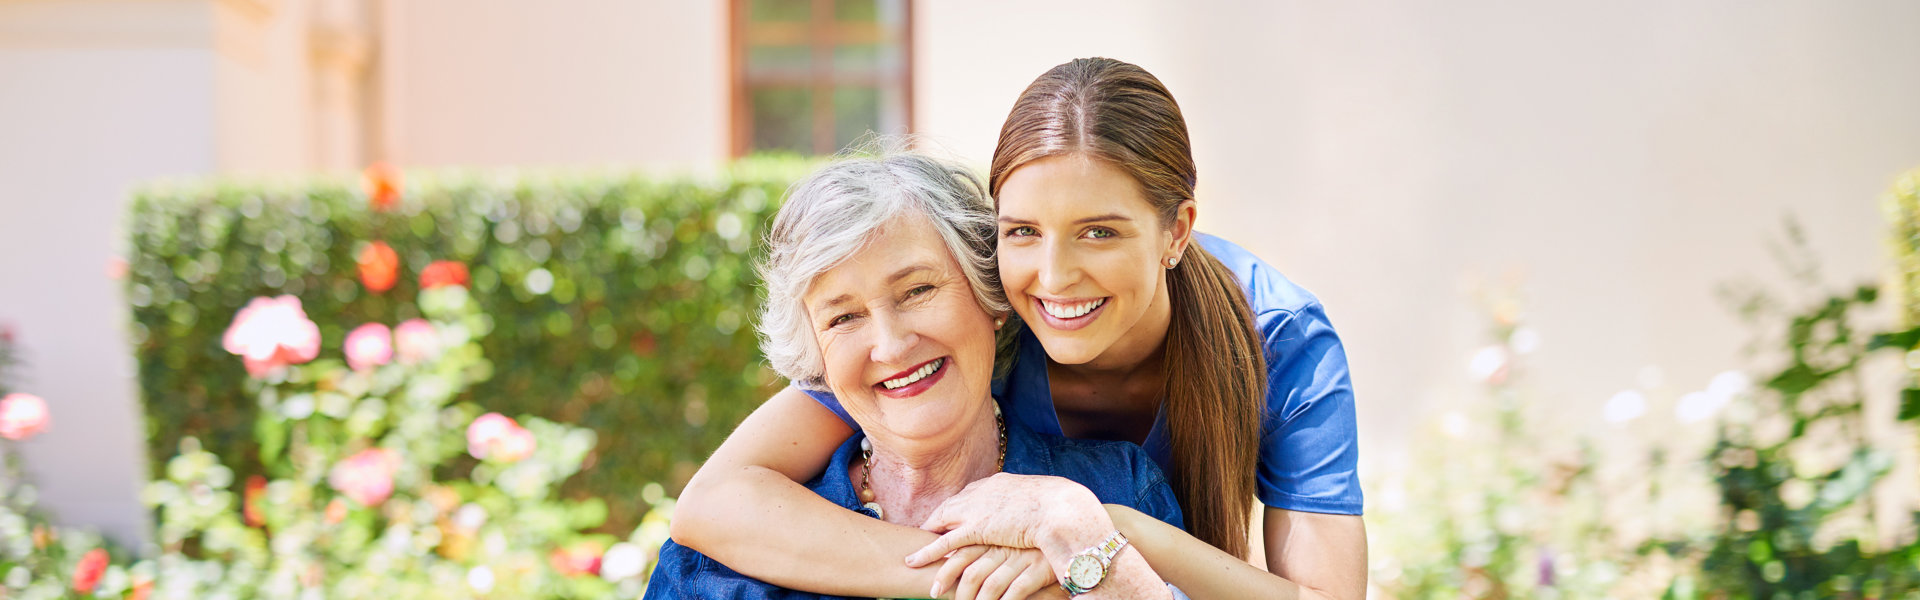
point(995, 572)
point(1016, 511)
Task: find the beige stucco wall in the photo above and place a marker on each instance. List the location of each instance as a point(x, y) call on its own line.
point(1624, 163)
point(575, 82)
point(98, 95)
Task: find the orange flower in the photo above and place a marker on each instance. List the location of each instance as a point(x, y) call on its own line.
point(87, 573)
point(379, 266)
point(141, 590)
point(443, 272)
point(250, 508)
point(382, 184)
point(336, 511)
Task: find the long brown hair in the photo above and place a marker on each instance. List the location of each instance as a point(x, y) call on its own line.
point(1216, 367)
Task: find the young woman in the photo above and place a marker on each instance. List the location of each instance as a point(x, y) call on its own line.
point(1139, 329)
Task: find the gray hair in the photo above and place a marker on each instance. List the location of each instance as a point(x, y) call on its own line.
point(833, 213)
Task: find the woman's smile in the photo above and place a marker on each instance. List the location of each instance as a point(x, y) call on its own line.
point(911, 382)
point(1069, 314)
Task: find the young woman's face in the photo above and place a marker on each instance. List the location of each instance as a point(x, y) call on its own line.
point(1081, 256)
point(907, 349)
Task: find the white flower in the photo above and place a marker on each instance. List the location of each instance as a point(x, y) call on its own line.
point(621, 561)
point(1625, 406)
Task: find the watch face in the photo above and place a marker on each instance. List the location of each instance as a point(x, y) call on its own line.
point(1085, 571)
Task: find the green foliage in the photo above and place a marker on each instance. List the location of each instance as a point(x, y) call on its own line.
point(1795, 473)
point(1903, 213)
point(621, 302)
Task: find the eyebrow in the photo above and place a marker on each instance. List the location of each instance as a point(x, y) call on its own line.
point(1093, 219)
point(896, 276)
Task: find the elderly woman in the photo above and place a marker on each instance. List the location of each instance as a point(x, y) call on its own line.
point(882, 289)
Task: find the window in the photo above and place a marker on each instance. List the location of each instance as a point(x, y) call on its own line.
point(812, 76)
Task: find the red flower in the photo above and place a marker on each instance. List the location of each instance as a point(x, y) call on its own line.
point(379, 266)
point(443, 272)
point(582, 558)
point(382, 184)
point(250, 508)
point(87, 573)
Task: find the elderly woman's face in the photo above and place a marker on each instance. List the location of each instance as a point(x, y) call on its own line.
point(907, 349)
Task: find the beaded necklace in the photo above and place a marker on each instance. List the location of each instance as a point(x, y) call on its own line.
point(866, 463)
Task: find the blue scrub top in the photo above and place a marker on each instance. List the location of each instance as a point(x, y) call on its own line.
point(1116, 472)
point(1309, 443)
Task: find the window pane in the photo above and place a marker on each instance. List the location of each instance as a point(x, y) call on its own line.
point(782, 119)
point(856, 10)
point(773, 11)
point(788, 61)
point(858, 58)
point(856, 111)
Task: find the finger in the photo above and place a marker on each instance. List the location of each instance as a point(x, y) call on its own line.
point(1037, 578)
point(1002, 577)
point(939, 521)
point(949, 573)
point(969, 586)
point(947, 543)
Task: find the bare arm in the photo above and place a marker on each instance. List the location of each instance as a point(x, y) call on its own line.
point(1322, 557)
point(745, 509)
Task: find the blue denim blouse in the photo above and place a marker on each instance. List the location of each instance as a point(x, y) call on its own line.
point(1116, 472)
point(1309, 439)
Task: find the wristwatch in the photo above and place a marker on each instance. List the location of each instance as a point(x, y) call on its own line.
point(1088, 568)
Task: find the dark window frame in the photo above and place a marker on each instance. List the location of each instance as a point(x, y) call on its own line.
point(822, 36)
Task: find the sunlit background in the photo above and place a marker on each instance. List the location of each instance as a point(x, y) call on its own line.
point(1564, 246)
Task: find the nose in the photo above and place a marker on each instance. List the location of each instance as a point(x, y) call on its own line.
point(1059, 267)
point(896, 337)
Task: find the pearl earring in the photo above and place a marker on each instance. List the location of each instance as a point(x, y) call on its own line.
point(1172, 261)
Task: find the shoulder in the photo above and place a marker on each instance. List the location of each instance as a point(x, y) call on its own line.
point(1287, 315)
point(1271, 295)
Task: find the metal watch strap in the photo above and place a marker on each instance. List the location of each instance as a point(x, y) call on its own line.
point(1104, 553)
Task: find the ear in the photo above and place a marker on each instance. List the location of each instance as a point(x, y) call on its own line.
point(1180, 232)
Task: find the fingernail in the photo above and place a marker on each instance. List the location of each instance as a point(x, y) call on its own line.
point(936, 591)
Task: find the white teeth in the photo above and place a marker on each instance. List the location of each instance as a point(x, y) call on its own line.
point(1068, 311)
point(915, 376)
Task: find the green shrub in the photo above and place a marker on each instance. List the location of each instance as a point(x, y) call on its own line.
point(620, 302)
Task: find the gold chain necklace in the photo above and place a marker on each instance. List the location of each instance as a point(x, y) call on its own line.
point(866, 463)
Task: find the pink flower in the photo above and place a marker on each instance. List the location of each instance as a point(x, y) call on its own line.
point(86, 573)
point(22, 416)
point(271, 333)
point(369, 346)
point(367, 477)
point(493, 436)
point(417, 341)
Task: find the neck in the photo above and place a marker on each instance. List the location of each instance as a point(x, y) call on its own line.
point(911, 479)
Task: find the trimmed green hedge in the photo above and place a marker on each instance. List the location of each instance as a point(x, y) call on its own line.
point(622, 302)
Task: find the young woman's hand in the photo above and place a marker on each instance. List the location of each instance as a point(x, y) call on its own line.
point(995, 572)
point(1052, 514)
